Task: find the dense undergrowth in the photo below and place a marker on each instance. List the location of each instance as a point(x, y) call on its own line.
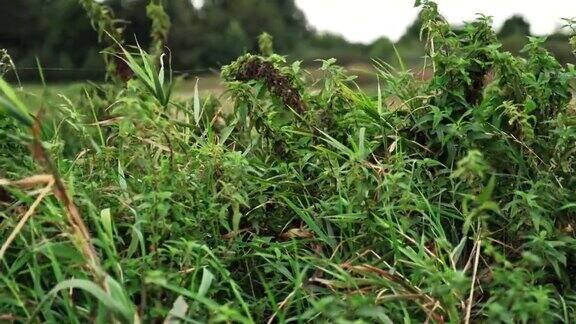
point(442, 200)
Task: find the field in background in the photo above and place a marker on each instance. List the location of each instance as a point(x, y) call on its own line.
point(208, 84)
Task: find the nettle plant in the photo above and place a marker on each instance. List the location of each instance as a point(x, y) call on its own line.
point(441, 200)
point(490, 135)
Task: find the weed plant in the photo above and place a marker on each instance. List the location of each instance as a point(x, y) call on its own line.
point(444, 200)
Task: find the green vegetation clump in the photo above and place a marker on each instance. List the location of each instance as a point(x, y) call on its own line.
point(448, 199)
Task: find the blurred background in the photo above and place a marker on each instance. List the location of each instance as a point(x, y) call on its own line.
point(207, 34)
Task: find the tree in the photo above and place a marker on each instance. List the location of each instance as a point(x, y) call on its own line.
point(183, 38)
point(133, 12)
point(221, 30)
point(382, 48)
point(16, 29)
point(412, 34)
point(55, 31)
point(515, 26)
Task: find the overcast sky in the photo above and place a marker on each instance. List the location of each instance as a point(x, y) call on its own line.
point(366, 20)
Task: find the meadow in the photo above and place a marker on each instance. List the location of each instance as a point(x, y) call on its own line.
point(277, 194)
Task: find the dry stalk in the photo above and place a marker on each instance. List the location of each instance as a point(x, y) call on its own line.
point(80, 232)
point(24, 183)
point(474, 274)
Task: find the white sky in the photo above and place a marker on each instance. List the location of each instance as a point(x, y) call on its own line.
point(366, 20)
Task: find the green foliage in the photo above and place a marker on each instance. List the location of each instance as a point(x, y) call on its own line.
point(515, 25)
point(326, 46)
point(220, 31)
point(382, 49)
point(199, 37)
point(571, 23)
point(12, 106)
point(160, 26)
point(265, 44)
point(144, 68)
point(109, 31)
point(449, 199)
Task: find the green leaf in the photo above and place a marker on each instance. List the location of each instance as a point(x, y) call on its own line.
point(337, 145)
point(361, 143)
point(486, 194)
point(161, 72)
point(11, 105)
point(315, 227)
point(121, 177)
point(116, 302)
point(106, 220)
point(116, 291)
point(11, 110)
point(207, 278)
point(197, 113)
point(380, 106)
point(178, 311)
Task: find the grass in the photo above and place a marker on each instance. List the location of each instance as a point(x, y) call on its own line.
point(294, 196)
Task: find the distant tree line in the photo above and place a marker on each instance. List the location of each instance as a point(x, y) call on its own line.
point(59, 34)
